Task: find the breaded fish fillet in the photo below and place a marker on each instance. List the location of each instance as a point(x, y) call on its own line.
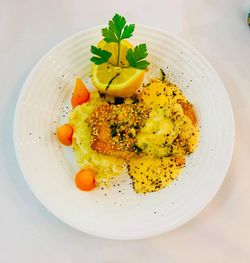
point(114, 128)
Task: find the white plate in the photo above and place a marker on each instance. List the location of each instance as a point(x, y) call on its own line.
point(119, 213)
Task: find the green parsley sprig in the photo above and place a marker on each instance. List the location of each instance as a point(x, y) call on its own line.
point(116, 31)
point(136, 57)
point(101, 55)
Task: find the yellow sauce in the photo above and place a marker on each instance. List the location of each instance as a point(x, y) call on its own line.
point(150, 174)
point(166, 139)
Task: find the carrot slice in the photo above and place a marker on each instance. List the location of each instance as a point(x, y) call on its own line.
point(80, 94)
point(65, 133)
point(85, 179)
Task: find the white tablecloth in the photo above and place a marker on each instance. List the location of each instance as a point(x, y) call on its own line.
point(218, 28)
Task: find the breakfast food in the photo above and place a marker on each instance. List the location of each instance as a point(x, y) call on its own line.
point(146, 130)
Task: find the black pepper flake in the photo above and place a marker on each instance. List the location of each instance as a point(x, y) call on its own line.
point(135, 100)
point(119, 100)
point(102, 95)
point(163, 75)
point(113, 128)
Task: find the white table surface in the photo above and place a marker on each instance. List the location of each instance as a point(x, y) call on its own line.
point(218, 28)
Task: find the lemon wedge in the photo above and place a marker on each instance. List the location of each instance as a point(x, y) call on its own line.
point(116, 81)
point(113, 49)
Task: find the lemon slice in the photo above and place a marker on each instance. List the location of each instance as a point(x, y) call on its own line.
point(117, 81)
point(113, 48)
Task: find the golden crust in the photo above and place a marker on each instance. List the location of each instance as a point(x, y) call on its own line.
point(188, 110)
point(101, 134)
point(101, 141)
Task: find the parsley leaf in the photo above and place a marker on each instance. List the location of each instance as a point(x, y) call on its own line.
point(117, 30)
point(128, 31)
point(136, 57)
point(102, 55)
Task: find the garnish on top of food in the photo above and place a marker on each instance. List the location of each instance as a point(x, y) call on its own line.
point(149, 130)
point(119, 67)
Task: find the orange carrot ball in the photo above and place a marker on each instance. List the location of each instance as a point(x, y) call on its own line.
point(65, 133)
point(85, 179)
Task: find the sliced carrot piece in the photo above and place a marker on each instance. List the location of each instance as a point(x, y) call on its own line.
point(85, 179)
point(80, 94)
point(65, 133)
